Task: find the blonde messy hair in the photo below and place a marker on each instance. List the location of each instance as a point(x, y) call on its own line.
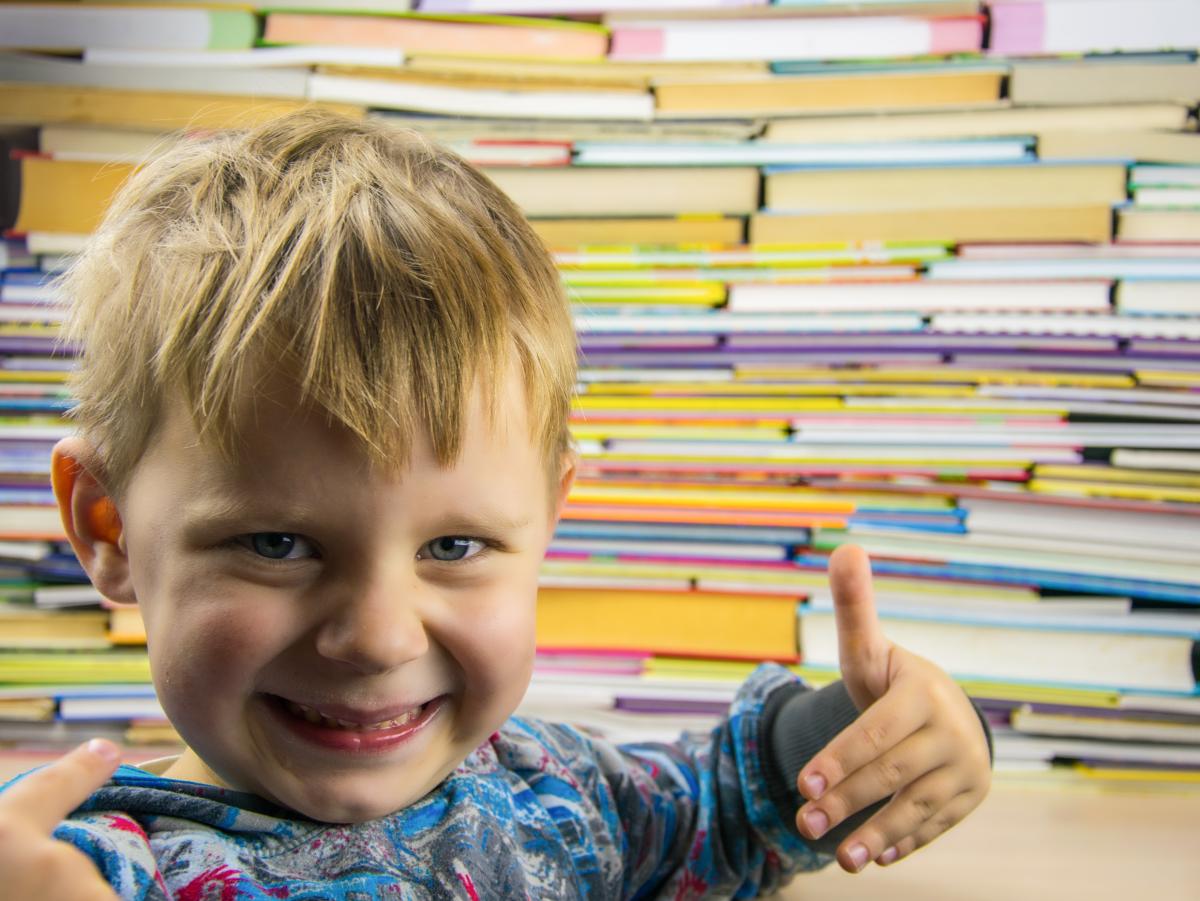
point(380, 272)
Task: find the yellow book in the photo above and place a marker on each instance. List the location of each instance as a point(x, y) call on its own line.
point(575, 232)
point(690, 623)
point(162, 111)
point(707, 404)
point(1117, 474)
point(754, 500)
point(1108, 489)
point(1035, 222)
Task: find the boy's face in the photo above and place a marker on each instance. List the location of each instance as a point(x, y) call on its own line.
point(326, 636)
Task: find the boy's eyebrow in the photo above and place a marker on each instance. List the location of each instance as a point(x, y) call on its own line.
point(219, 508)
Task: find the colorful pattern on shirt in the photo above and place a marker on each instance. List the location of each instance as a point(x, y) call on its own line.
point(539, 811)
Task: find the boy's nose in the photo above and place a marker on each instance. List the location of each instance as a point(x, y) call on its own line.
point(375, 632)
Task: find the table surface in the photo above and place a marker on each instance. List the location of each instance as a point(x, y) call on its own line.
point(1052, 841)
point(1030, 839)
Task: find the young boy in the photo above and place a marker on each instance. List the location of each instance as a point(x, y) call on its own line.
point(322, 401)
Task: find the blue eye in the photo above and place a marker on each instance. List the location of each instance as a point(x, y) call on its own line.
point(452, 548)
point(279, 545)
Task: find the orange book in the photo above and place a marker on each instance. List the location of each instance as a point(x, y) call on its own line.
point(477, 36)
point(688, 623)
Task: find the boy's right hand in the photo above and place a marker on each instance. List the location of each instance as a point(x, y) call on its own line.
point(32, 863)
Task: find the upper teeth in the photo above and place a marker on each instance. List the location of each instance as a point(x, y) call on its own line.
point(329, 723)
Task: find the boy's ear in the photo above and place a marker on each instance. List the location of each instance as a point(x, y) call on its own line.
point(569, 466)
point(90, 518)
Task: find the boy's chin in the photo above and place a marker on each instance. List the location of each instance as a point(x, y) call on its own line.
point(343, 804)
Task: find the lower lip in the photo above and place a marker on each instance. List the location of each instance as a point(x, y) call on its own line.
point(350, 740)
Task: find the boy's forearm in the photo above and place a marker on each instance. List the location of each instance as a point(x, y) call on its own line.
point(797, 723)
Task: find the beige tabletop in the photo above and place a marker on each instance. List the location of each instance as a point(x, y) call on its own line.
point(1035, 841)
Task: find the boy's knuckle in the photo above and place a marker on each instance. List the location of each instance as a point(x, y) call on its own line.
point(876, 736)
point(891, 773)
point(924, 806)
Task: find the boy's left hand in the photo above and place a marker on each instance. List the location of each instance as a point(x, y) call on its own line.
point(917, 739)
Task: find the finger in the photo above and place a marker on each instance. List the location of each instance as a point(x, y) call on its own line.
point(863, 649)
point(919, 805)
point(950, 816)
point(870, 737)
point(919, 754)
point(47, 796)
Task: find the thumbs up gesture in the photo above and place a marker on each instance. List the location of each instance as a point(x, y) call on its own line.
point(32, 863)
point(917, 739)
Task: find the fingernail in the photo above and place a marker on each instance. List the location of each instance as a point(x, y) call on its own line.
point(105, 750)
point(817, 822)
point(815, 785)
point(889, 855)
point(858, 856)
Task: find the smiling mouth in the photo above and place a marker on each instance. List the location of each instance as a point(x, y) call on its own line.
point(317, 719)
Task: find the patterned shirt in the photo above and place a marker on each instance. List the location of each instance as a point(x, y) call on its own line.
point(537, 811)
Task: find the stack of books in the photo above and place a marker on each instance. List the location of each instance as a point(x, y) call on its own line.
point(923, 276)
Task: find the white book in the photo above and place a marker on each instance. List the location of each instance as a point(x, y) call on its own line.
point(1161, 176)
point(1167, 197)
point(54, 596)
point(1015, 517)
point(1066, 324)
point(1010, 745)
point(1069, 435)
point(256, 58)
point(867, 252)
point(285, 82)
point(1096, 267)
point(758, 153)
point(651, 547)
point(1076, 251)
point(13, 312)
point(1184, 461)
point(1082, 26)
point(1073, 392)
point(846, 453)
point(922, 296)
point(569, 7)
point(55, 242)
point(1047, 554)
point(393, 94)
point(73, 26)
point(1082, 657)
point(804, 276)
point(727, 323)
point(1158, 298)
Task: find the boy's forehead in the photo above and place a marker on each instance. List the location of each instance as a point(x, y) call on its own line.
point(274, 425)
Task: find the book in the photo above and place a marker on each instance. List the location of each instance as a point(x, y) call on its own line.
point(646, 230)
point(1157, 298)
point(391, 92)
point(158, 110)
point(840, 155)
point(48, 26)
point(793, 38)
point(690, 623)
point(289, 82)
point(1104, 79)
point(1035, 221)
point(1030, 27)
point(1148, 146)
point(981, 123)
point(1106, 657)
point(66, 196)
point(478, 36)
point(826, 92)
point(922, 296)
point(27, 628)
point(887, 188)
point(630, 191)
point(1136, 223)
